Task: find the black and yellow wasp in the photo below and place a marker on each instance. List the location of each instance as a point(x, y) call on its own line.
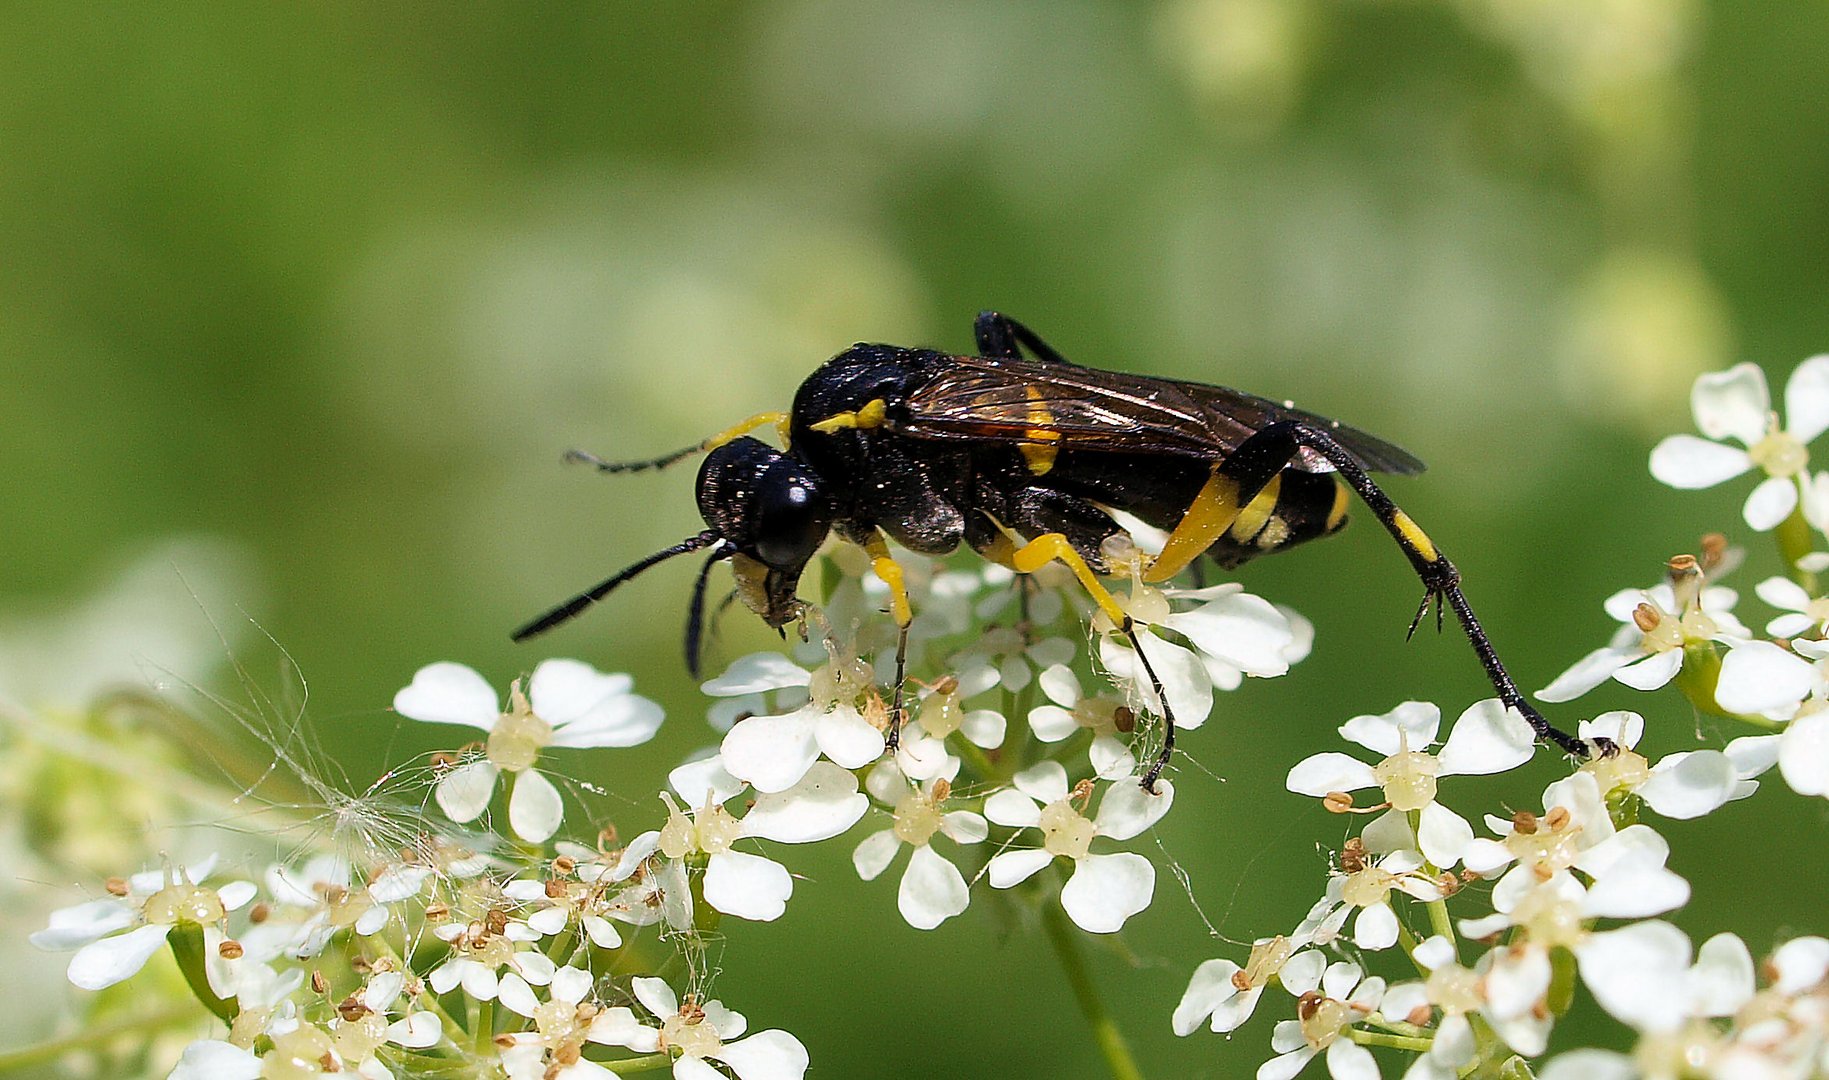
point(1022, 455)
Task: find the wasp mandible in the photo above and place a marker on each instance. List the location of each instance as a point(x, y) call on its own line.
point(1022, 455)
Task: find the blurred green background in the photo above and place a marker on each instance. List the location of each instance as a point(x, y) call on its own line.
point(304, 302)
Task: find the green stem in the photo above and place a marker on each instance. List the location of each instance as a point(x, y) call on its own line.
point(483, 1036)
point(1441, 924)
point(974, 757)
point(90, 1037)
point(1392, 1042)
point(1794, 542)
point(646, 1063)
point(1105, 1031)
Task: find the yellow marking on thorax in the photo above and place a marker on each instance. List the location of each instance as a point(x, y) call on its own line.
point(870, 416)
point(1042, 440)
point(1415, 536)
point(1213, 510)
point(891, 574)
point(781, 421)
point(1256, 514)
point(1336, 515)
point(1053, 547)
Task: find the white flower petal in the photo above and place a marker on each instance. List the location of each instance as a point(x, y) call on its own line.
point(1684, 461)
point(1803, 755)
point(448, 693)
point(747, 886)
point(601, 931)
point(704, 780)
point(1690, 785)
point(1045, 782)
point(213, 1059)
point(1801, 963)
point(1347, 1060)
point(535, 809)
point(1338, 980)
point(1651, 672)
point(1770, 503)
point(1758, 677)
point(1410, 726)
point(822, 805)
point(656, 996)
point(76, 926)
point(964, 827)
point(1376, 927)
point(1014, 867)
point(1732, 404)
point(1210, 986)
point(875, 853)
point(1443, 835)
point(1106, 890)
point(1783, 594)
point(983, 727)
point(1012, 808)
point(1110, 759)
point(1517, 981)
point(1388, 832)
point(771, 752)
point(922, 757)
point(1623, 727)
point(1638, 974)
point(101, 964)
point(766, 1055)
point(1126, 809)
point(847, 738)
point(464, 792)
point(1302, 972)
point(1184, 679)
point(1488, 738)
point(1807, 399)
point(1052, 723)
point(758, 673)
point(1325, 773)
point(1722, 979)
point(1245, 631)
point(1587, 673)
point(932, 890)
point(1287, 1065)
point(519, 997)
point(1753, 755)
point(618, 1027)
point(1060, 685)
point(1590, 1065)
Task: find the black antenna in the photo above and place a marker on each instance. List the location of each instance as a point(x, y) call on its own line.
point(576, 604)
point(661, 462)
point(695, 617)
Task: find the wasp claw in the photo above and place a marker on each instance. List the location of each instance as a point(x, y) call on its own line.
point(1421, 610)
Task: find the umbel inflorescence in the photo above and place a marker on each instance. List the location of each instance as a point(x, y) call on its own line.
point(488, 940)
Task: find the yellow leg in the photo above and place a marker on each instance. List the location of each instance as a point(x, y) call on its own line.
point(737, 431)
point(1208, 517)
point(890, 572)
point(870, 416)
point(1053, 547)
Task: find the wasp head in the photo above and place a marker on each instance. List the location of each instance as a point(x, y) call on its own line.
point(774, 511)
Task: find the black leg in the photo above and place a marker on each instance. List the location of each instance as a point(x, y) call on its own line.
point(1000, 336)
point(1441, 581)
point(630, 466)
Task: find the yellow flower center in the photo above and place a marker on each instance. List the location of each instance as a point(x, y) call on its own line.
point(184, 902)
point(1408, 779)
point(1779, 454)
point(1368, 887)
point(1626, 769)
point(941, 715)
point(518, 737)
point(302, 1052)
point(1267, 958)
point(1065, 831)
point(1454, 988)
point(1548, 920)
point(917, 819)
point(1325, 1022)
point(690, 1035)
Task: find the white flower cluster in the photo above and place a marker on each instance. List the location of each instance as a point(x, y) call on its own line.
point(478, 953)
point(1503, 927)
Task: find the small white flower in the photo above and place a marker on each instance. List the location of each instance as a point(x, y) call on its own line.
point(1105, 890)
point(1682, 785)
point(1736, 404)
point(1340, 998)
point(1488, 738)
point(1231, 633)
point(699, 1033)
point(1009, 657)
point(1367, 891)
point(772, 753)
point(823, 804)
point(1655, 624)
point(1805, 614)
point(1759, 678)
point(114, 938)
point(568, 703)
point(932, 888)
point(1453, 989)
point(1642, 975)
point(1069, 710)
point(1227, 993)
point(479, 952)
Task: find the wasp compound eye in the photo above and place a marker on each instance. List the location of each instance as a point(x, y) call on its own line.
point(772, 507)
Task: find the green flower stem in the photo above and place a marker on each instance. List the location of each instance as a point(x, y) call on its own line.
point(1391, 1042)
point(645, 1063)
point(974, 757)
point(1794, 542)
point(1441, 924)
point(482, 1037)
point(188, 948)
point(92, 1037)
point(1118, 1059)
